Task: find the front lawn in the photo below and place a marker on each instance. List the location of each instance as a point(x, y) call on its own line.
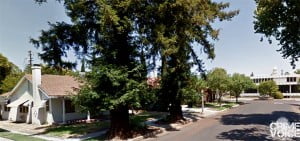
point(76, 130)
point(145, 116)
point(217, 106)
point(137, 121)
point(17, 137)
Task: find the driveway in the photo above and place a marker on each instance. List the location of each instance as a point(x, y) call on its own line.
point(247, 122)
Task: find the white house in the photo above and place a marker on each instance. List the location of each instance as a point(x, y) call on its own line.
point(288, 83)
point(41, 99)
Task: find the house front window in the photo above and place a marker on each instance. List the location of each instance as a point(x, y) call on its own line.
point(23, 109)
point(70, 108)
point(6, 109)
point(47, 106)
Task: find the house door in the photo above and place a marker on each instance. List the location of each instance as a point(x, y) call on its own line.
point(23, 113)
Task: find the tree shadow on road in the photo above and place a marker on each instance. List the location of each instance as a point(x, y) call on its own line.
point(262, 119)
point(257, 120)
point(246, 134)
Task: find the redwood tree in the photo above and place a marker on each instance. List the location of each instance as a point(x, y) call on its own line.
point(174, 28)
point(103, 32)
point(116, 34)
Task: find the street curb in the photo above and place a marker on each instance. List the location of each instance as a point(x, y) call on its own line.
point(148, 135)
point(163, 131)
point(237, 105)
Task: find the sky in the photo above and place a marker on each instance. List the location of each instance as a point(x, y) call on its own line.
point(238, 49)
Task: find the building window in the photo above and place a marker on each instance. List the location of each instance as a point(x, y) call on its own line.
point(70, 108)
point(47, 106)
point(291, 79)
point(23, 109)
point(6, 109)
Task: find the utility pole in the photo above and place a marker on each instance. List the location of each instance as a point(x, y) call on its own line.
point(30, 58)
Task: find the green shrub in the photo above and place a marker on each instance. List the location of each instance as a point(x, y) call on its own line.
point(278, 95)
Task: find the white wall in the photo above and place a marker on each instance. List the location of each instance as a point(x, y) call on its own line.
point(25, 91)
point(56, 109)
point(3, 113)
point(57, 112)
point(73, 116)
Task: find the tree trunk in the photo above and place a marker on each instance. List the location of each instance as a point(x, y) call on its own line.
point(119, 123)
point(236, 98)
point(176, 112)
point(220, 98)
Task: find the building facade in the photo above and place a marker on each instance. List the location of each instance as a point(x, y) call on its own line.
point(41, 99)
point(288, 84)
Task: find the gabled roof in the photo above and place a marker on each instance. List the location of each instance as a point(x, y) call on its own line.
point(6, 94)
point(53, 85)
point(57, 85)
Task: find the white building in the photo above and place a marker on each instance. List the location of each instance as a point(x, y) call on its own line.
point(289, 84)
point(41, 99)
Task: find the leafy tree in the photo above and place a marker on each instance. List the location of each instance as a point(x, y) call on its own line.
point(5, 68)
point(218, 80)
point(8, 74)
point(192, 93)
point(297, 71)
point(268, 88)
point(51, 70)
point(279, 19)
point(239, 83)
point(10, 81)
point(170, 28)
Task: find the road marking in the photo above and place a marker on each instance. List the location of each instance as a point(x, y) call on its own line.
point(278, 103)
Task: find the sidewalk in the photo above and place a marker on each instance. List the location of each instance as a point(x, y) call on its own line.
point(190, 114)
point(206, 113)
point(4, 139)
point(37, 132)
point(232, 99)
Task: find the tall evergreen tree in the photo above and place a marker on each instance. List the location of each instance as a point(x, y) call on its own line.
point(103, 30)
point(171, 28)
point(118, 34)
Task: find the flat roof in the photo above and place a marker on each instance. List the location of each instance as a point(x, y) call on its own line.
point(275, 76)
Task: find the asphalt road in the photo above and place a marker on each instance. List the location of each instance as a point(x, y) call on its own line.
point(247, 122)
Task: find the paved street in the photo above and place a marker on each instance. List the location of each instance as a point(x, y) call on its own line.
point(247, 122)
